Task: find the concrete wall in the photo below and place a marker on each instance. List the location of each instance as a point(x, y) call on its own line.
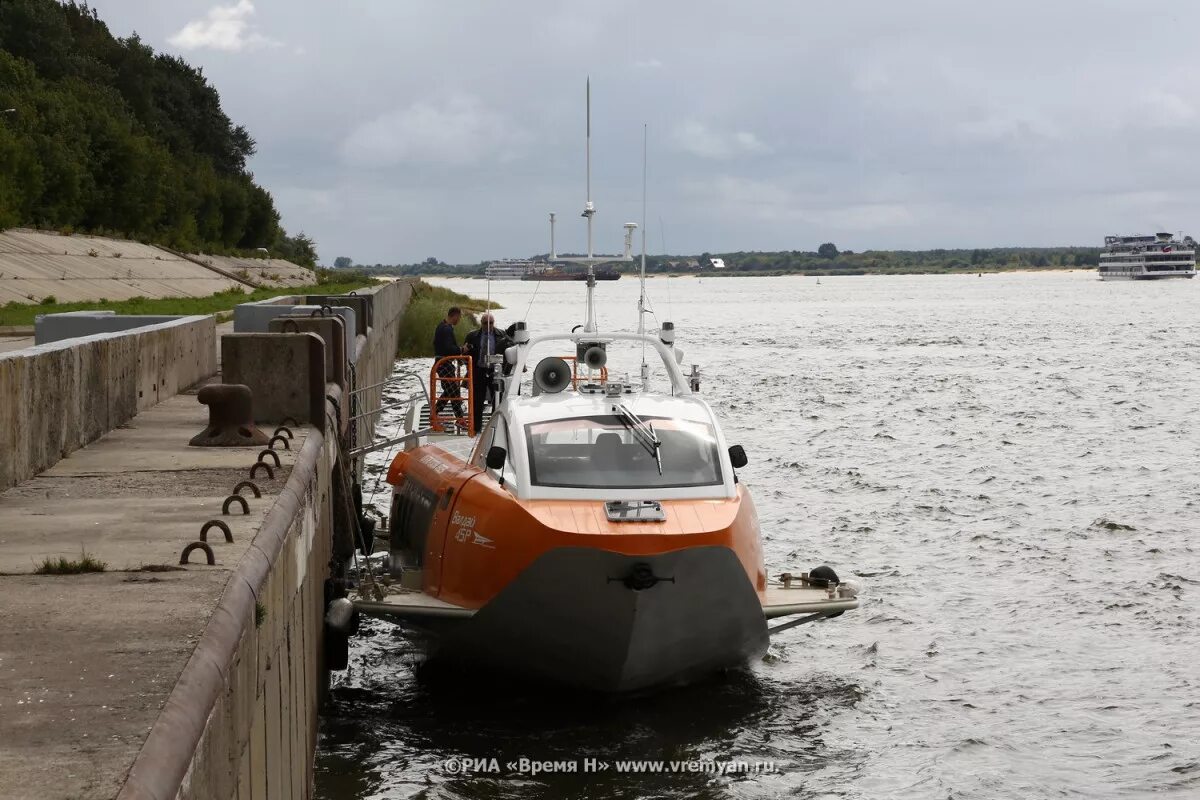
point(56, 398)
point(242, 719)
point(74, 324)
point(377, 355)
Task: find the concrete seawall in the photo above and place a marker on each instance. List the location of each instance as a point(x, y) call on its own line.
point(58, 397)
point(213, 671)
point(377, 355)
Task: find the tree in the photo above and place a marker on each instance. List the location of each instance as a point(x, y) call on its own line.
point(298, 249)
point(111, 137)
point(827, 250)
point(342, 262)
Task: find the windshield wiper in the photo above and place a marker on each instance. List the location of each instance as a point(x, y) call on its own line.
point(642, 431)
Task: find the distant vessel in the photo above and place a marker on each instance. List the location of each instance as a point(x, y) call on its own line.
point(1147, 257)
point(545, 273)
point(510, 269)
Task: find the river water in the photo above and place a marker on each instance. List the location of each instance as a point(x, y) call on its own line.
point(1007, 462)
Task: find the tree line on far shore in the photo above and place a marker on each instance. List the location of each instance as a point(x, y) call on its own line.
point(105, 136)
point(826, 260)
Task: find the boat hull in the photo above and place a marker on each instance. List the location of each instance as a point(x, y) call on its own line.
point(569, 276)
point(1145, 277)
point(577, 616)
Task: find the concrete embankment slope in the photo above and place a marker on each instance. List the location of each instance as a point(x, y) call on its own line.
point(152, 680)
point(35, 265)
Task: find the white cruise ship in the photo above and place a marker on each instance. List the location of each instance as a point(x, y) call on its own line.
point(512, 269)
point(1160, 255)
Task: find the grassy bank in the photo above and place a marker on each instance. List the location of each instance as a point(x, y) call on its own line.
point(426, 309)
point(24, 314)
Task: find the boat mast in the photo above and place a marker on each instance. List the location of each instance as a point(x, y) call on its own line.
point(589, 211)
point(642, 295)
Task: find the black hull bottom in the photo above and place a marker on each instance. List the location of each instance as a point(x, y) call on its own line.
point(576, 617)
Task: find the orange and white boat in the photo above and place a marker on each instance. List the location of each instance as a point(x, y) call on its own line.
point(595, 532)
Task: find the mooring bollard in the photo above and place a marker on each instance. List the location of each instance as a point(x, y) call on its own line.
point(230, 418)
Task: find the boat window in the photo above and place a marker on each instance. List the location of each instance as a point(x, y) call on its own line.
point(600, 452)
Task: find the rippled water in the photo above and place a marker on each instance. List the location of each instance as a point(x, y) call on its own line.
point(1009, 464)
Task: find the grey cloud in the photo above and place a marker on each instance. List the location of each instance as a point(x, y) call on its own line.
point(414, 129)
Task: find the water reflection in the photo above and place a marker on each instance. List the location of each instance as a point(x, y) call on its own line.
point(388, 729)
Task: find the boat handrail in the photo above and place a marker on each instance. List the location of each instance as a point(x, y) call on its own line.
point(467, 381)
point(679, 383)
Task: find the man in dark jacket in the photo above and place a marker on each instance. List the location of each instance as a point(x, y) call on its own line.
point(480, 344)
point(444, 344)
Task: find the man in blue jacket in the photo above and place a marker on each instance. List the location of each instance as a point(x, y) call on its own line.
point(445, 344)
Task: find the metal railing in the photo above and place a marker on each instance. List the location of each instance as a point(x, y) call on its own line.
point(437, 420)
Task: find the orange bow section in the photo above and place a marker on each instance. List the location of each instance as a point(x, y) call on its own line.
point(480, 537)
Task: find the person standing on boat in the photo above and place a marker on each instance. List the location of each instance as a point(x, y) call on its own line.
point(481, 343)
point(445, 344)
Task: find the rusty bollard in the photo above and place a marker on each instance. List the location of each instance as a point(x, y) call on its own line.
point(230, 418)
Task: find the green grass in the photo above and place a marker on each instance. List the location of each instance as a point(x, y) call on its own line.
point(23, 314)
point(426, 309)
point(63, 566)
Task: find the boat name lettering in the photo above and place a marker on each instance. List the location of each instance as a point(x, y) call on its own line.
point(434, 464)
point(466, 533)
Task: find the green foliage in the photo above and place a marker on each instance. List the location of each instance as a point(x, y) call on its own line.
point(298, 249)
point(426, 309)
point(827, 250)
point(24, 314)
point(109, 136)
point(343, 262)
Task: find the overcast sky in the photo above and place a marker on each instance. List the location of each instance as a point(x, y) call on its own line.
point(395, 130)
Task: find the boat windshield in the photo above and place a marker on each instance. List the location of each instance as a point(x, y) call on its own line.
point(602, 452)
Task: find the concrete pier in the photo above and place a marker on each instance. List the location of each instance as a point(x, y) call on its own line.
point(154, 679)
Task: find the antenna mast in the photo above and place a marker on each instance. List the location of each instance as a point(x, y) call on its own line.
point(642, 295)
point(589, 211)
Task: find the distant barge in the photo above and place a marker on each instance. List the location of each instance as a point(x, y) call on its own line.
point(523, 270)
point(559, 274)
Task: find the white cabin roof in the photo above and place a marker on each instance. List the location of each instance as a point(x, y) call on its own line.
point(566, 404)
